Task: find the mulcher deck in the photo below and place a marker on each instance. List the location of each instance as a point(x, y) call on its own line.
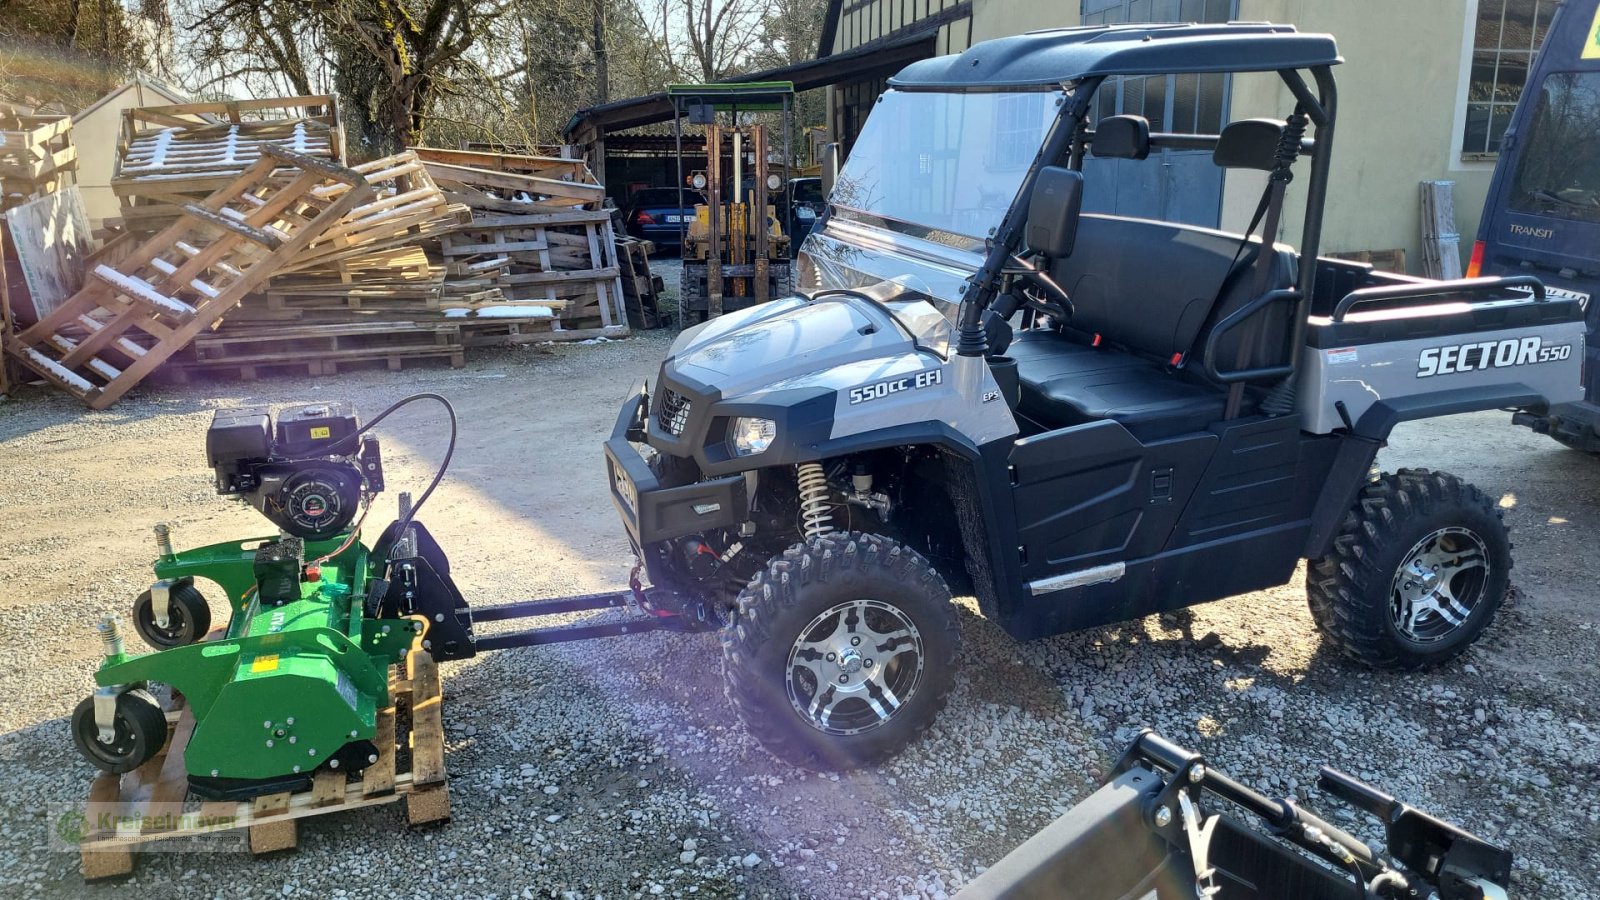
point(410, 765)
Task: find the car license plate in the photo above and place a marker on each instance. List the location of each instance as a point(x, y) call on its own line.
point(674, 220)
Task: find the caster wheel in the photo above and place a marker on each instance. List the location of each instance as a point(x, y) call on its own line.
point(141, 732)
point(188, 617)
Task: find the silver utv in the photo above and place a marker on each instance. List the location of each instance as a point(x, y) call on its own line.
point(1077, 417)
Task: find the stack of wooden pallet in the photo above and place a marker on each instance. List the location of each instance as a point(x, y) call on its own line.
point(37, 158)
point(375, 258)
point(133, 315)
point(537, 260)
point(168, 156)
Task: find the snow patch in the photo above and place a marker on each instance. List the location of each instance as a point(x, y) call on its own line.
point(67, 376)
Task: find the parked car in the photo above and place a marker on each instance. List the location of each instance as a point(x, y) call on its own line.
point(1542, 217)
point(654, 214)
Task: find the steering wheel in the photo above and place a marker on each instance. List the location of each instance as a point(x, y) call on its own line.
point(1054, 303)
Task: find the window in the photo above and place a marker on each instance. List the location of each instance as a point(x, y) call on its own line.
point(1182, 104)
point(1507, 35)
point(1559, 173)
point(1017, 130)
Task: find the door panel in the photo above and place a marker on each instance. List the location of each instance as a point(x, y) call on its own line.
point(1092, 494)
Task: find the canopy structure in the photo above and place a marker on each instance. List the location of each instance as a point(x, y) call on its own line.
point(1048, 58)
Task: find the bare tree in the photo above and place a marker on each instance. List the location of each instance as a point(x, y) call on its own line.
point(706, 40)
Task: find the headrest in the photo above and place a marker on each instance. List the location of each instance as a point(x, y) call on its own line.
point(1248, 144)
point(1122, 137)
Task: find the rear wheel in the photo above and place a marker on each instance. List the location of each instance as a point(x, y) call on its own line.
point(140, 731)
point(844, 651)
point(1415, 574)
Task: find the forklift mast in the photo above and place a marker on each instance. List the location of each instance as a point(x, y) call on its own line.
point(734, 255)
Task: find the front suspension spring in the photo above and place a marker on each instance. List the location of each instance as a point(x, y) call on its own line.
point(814, 505)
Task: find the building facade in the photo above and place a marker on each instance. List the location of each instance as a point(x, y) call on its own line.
point(1425, 92)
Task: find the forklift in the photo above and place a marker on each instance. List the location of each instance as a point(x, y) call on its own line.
point(735, 251)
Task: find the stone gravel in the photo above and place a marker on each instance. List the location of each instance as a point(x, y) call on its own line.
point(615, 769)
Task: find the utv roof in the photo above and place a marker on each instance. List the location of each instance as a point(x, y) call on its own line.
point(1047, 58)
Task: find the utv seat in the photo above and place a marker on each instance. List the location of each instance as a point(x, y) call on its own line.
point(1146, 295)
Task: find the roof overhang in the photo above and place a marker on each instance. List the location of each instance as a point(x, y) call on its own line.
point(863, 63)
point(1041, 59)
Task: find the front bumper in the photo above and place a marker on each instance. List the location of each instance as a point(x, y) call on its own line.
point(652, 513)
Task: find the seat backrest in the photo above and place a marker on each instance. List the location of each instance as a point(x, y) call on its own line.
point(1150, 286)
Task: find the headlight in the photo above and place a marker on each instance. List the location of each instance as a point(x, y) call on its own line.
point(752, 436)
point(698, 181)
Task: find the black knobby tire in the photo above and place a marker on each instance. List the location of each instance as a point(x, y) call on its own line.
point(188, 617)
point(1366, 593)
point(876, 580)
point(141, 731)
point(688, 293)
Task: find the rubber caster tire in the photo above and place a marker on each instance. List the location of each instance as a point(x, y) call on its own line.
point(188, 617)
point(843, 653)
point(141, 732)
point(1415, 574)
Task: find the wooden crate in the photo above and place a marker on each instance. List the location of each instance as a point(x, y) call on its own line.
point(410, 766)
point(132, 316)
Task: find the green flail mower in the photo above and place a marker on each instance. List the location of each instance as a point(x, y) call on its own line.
point(294, 683)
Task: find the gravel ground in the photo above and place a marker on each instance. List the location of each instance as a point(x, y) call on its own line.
point(615, 769)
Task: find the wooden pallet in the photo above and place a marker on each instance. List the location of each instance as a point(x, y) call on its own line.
point(1382, 260)
point(408, 209)
point(36, 155)
point(1441, 244)
point(324, 349)
point(640, 289)
point(132, 316)
point(170, 155)
point(512, 332)
point(410, 766)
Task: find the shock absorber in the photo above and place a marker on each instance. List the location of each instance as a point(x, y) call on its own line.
point(814, 500)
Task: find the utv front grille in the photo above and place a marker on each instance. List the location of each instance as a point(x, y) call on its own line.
point(674, 412)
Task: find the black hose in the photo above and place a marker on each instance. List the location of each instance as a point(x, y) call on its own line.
point(410, 515)
point(438, 476)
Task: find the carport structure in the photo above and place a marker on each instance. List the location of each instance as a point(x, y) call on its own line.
point(589, 127)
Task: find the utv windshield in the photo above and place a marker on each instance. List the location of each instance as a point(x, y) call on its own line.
point(1559, 173)
point(943, 166)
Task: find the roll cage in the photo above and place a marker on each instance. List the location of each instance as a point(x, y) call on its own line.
point(1080, 60)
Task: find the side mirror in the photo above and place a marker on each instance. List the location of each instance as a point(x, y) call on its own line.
point(1053, 210)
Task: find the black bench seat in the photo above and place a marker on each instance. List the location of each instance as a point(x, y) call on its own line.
point(1069, 383)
